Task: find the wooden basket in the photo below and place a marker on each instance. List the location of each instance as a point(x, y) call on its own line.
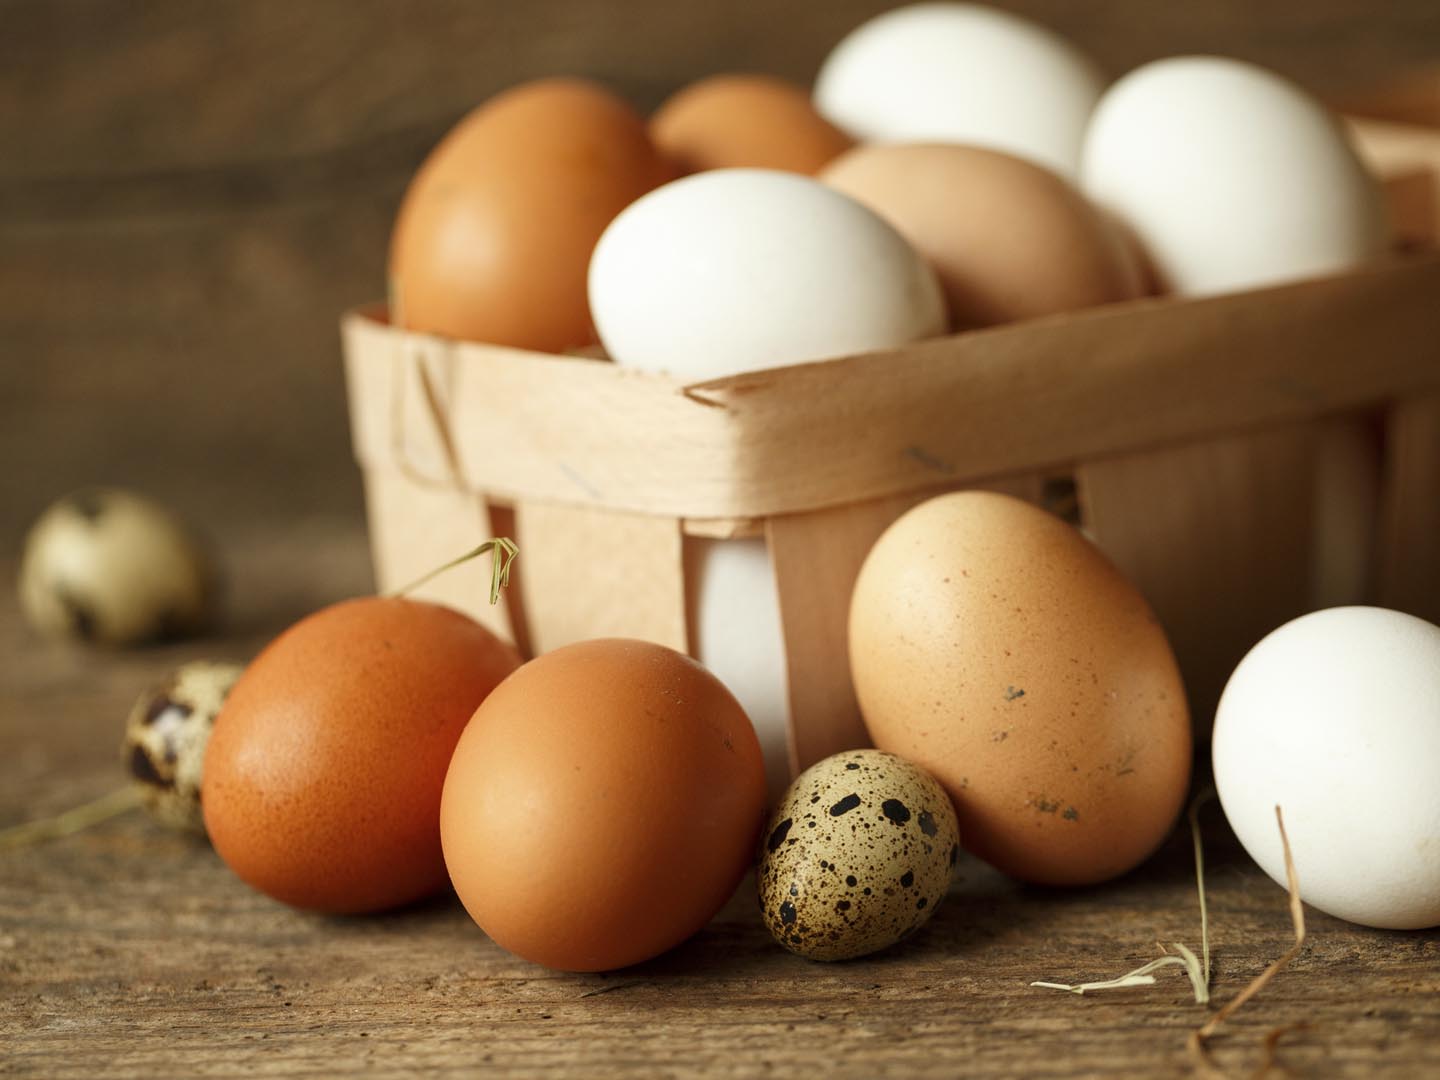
point(1185, 436)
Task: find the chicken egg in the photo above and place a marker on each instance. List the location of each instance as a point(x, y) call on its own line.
point(495, 232)
point(995, 647)
point(323, 773)
point(602, 805)
point(745, 121)
point(1009, 239)
point(962, 73)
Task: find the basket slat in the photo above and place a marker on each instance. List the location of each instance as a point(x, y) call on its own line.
point(588, 573)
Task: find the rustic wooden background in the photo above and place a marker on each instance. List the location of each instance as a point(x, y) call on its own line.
point(190, 193)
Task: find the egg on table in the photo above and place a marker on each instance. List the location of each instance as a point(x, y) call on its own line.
point(323, 773)
point(858, 855)
point(602, 805)
point(165, 738)
point(114, 567)
point(994, 646)
point(1335, 718)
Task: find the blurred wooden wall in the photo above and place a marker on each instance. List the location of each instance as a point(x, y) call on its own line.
point(190, 193)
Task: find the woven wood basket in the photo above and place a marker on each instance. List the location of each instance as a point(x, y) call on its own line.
point(1243, 458)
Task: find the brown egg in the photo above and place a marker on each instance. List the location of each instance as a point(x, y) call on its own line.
point(746, 121)
point(324, 769)
point(495, 232)
point(602, 805)
point(1009, 240)
point(993, 645)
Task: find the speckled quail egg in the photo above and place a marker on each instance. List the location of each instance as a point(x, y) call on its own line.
point(110, 566)
point(858, 855)
point(165, 739)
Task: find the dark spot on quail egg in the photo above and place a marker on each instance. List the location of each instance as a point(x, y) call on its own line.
point(845, 805)
point(777, 834)
point(896, 811)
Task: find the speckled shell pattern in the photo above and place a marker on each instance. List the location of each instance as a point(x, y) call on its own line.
point(858, 855)
point(165, 738)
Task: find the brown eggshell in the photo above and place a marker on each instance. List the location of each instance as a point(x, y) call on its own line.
point(494, 235)
point(1009, 239)
point(996, 647)
point(746, 121)
point(324, 770)
point(602, 805)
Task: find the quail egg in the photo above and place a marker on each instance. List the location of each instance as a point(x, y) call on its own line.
point(858, 855)
point(165, 739)
point(113, 567)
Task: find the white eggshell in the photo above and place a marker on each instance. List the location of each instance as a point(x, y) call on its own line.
point(945, 72)
point(1230, 176)
point(740, 269)
point(738, 637)
point(1335, 717)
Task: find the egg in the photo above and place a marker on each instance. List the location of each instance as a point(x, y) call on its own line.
point(602, 805)
point(495, 231)
point(858, 855)
point(1335, 718)
point(113, 567)
point(738, 121)
point(165, 738)
point(995, 647)
point(740, 269)
point(733, 270)
point(963, 73)
point(323, 774)
point(739, 638)
point(1230, 176)
point(1009, 239)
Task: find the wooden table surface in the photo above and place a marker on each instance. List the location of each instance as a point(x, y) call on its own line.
point(129, 950)
point(189, 196)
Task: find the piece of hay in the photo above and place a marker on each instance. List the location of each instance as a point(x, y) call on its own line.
point(1297, 918)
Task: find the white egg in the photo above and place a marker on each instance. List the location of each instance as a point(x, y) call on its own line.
point(1230, 176)
point(735, 270)
point(738, 269)
point(946, 72)
point(1335, 717)
point(739, 638)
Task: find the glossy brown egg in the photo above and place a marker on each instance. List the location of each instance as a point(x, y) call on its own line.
point(324, 770)
point(495, 232)
point(746, 121)
point(602, 805)
point(994, 645)
point(1008, 239)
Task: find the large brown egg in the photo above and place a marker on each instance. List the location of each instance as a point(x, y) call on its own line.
point(746, 121)
point(324, 770)
point(602, 805)
point(1008, 239)
point(495, 232)
point(996, 647)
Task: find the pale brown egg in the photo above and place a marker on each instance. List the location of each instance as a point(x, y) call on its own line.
point(996, 647)
point(322, 776)
point(494, 235)
point(1009, 239)
point(746, 121)
point(602, 805)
